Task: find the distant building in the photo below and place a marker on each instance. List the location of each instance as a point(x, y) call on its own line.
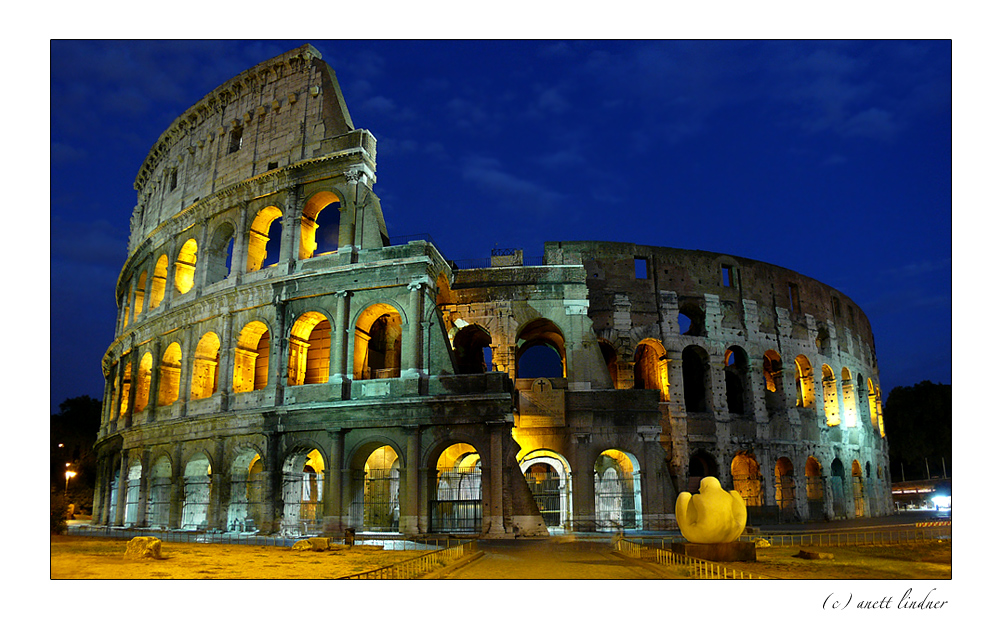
point(280, 365)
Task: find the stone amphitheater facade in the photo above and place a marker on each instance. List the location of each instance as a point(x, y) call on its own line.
point(280, 365)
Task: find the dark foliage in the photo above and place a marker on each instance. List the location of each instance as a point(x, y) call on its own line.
point(918, 426)
point(72, 434)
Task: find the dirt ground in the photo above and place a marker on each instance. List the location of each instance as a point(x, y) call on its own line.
point(99, 558)
point(926, 560)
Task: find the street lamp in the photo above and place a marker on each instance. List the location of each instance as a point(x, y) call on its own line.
point(69, 474)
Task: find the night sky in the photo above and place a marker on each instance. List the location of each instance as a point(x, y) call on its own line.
point(833, 159)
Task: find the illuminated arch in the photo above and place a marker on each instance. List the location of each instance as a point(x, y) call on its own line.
point(302, 490)
point(219, 257)
point(378, 342)
point(784, 487)
point(143, 381)
point(246, 494)
point(197, 492)
point(184, 266)
point(375, 488)
point(205, 371)
point(541, 350)
point(264, 239)
point(831, 404)
point(550, 480)
point(170, 375)
point(140, 294)
point(251, 355)
point(473, 354)
point(850, 403)
point(617, 491)
point(650, 371)
point(159, 284)
point(309, 350)
point(805, 387)
point(320, 225)
point(158, 489)
point(747, 479)
point(457, 505)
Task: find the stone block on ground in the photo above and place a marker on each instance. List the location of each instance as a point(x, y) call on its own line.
point(813, 555)
point(143, 547)
point(312, 544)
point(737, 551)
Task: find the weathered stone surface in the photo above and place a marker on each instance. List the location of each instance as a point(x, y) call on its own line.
point(312, 544)
point(813, 555)
point(143, 547)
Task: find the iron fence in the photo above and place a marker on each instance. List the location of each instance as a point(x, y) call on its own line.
point(700, 569)
point(845, 539)
point(421, 565)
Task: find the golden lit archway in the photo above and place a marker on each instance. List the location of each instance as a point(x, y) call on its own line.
point(804, 383)
point(457, 503)
point(309, 350)
point(143, 381)
point(831, 404)
point(617, 491)
point(205, 373)
point(170, 375)
point(378, 345)
point(651, 368)
point(184, 267)
point(320, 235)
point(264, 239)
point(251, 357)
point(159, 284)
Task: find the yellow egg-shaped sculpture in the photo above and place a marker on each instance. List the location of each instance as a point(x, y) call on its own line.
point(711, 516)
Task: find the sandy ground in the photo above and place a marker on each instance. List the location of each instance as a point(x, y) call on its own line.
point(98, 558)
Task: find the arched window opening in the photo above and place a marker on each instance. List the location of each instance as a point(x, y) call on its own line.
point(378, 343)
point(541, 351)
point(610, 360)
point(143, 382)
point(302, 492)
point(737, 365)
point(804, 383)
point(837, 489)
point(205, 374)
point(774, 393)
point(850, 403)
point(246, 495)
point(617, 492)
point(747, 479)
point(140, 294)
point(823, 342)
point(197, 493)
point(158, 494)
point(375, 505)
point(170, 375)
point(457, 505)
point(320, 225)
point(549, 479)
point(695, 368)
point(814, 488)
point(159, 284)
point(264, 240)
point(309, 350)
point(873, 406)
point(132, 495)
point(126, 386)
point(857, 476)
point(691, 318)
point(472, 349)
point(701, 464)
point(185, 265)
point(831, 404)
point(784, 488)
point(251, 358)
point(219, 262)
point(650, 370)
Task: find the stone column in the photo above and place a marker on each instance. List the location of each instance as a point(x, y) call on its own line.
point(291, 224)
point(201, 260)
point(143, 490)
point(176, 488)
point(278, 364)
point(224, 371)
point(409, 490)
point(333, 509)
point(241, 239)
point(133, 373)
point(412, 362)
point(495, 505)
point(584, 513)
point(152, 399)
point(122, 489)
point(340, 337)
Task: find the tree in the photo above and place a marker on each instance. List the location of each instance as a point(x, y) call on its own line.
point(918, 427)
point(72, 434)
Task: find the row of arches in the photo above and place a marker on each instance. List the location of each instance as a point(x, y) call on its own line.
point(825, 495)
point(318, 233)
point(378, 338)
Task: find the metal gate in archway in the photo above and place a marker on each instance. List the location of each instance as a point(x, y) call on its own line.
point(376, 499)
point(549, 494)
point(614, 501)
point(458, 503)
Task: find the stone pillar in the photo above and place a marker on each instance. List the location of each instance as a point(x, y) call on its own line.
point(291, 225)
point(494, 508)
point(220, 490)
point(224, 371)
point(126, 420)
point(140, 518)
point(201, 259)
point(584, 513)
point(176, 488)
point(412, 362)
point(339, 338)
point(333, 509)
point(271, 502)
point(241, 240)
point(122, 489)
point(152, 399)
point(278, 364)
point(409, 490)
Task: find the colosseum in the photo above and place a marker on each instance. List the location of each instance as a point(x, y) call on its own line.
point(281, 366)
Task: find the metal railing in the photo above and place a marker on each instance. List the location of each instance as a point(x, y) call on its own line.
point(421, 565)
point(700, 569)
point(844, 539)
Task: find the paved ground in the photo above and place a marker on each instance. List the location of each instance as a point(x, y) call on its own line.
point(556, 558)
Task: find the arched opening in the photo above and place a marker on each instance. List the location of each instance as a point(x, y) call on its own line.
point(126, 386)
point(378, 343)
point(184, 267)
point(541, 351)
point(691, 318)
point(246, 492)
point(650, 370)
point(143, 381)
point(158, 494)
point(159, 284)
point(170, 375)
point(610, 360)
point(737, 365)
point(309, 350)
point(473, 354)
point(253, 348)
point(457, 505)
point(857, 477)
point(701, 464)
point(264, 239)
point(375, 504)
point(804, 383)
point(140, 294)
point(617, 492)
point(549, 479)
point(219, 262)
point(132, 494)
point(774, 393)
point(747, 479)
point(814, 488)
point(205, 373)
point(695, 368)
point(850, 403)
point(320, 223)
point(302, 492)
point(837, 489)
point(784, 488)
point(831, 404)
point(873, 406)
point(197, 493)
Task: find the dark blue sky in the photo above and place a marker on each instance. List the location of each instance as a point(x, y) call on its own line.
point(829, 158)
